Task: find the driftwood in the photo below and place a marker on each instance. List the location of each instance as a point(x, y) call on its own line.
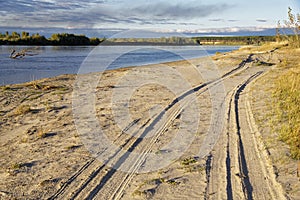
point(14, 54)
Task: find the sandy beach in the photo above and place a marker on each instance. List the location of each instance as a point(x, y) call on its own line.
point(180, 130)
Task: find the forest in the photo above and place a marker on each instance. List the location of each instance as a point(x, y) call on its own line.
point(67, 39)
point(209, 40)
point(56, 39)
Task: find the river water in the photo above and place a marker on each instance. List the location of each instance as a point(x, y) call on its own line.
point(49, 61)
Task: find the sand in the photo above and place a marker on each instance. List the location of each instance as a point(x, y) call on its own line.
point(51, 148)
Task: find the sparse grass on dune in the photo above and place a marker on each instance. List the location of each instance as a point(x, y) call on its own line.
point(286, 101)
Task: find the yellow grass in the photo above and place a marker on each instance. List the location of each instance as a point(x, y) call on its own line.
point(22, 110)
point(286, 101)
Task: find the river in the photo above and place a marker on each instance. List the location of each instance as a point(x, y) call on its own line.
point(49, 61)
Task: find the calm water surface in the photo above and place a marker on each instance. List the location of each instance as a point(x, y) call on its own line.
point(52, 61)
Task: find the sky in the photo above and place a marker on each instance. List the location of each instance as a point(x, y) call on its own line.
point(165, 16)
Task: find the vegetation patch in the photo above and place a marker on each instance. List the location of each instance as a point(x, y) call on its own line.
point(286, 93)
point(5, 88)
point(293, 23)
point(56, 39)
point(42, 133)
point(73, 147)
point(16, 166)
point(286, 101)
point(188, 161)
point(22, 110)
point(173, 182)
point(194, 168)
point(262, 63)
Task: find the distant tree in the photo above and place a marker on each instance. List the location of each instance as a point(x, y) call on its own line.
point(25, 35)
point(37, 35)
point(249, 41)
point(95, 41)
point(278, 35)
point(38, 39)
point(54, 37)
point(2, 35)
point(293, 23)
point(70, 39)
point(15, 35)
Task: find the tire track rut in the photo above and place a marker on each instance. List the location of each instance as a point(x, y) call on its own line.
point(243, 168)
point(100, 175)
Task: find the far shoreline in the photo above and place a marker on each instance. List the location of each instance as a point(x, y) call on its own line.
point(69, 39)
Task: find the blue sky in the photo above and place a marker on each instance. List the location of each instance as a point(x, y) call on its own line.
point(176, 16)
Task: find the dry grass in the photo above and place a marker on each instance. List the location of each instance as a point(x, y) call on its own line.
point(3, 88)
point(22, 110)
point(188, 161)
point(286, 101)
point(16, 166)
point(41, 133)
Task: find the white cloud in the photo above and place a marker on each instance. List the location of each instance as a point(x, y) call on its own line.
point(100, 13)
point(220, 30)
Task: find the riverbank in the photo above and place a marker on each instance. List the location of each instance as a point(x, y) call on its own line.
point(43, 154)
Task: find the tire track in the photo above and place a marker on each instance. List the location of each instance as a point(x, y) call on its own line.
point(244, 171)
point(258, 179)
point(236, 168)
point(229, 186)
point(271, 189)
point(89, 168)
point(221, 181)
point(208, 166)
point(118, 192)
point(249, 174)
point(95, 172)
point(71, 179)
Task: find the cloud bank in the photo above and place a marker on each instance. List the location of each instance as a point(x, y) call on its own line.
point(101, 13)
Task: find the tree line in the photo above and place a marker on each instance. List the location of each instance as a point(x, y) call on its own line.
point(71, 39)
point(56, 39)
point(235, 40)
point(151, 41)
point(209, 40)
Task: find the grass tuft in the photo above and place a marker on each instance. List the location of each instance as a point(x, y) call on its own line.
point(16, 166)
point(188, 161)
point(22, 110)
point(41, 133)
